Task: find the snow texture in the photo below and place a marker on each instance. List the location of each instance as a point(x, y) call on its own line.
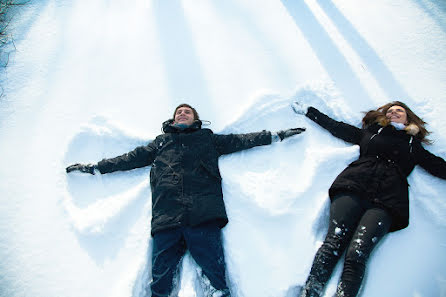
point(94, 79)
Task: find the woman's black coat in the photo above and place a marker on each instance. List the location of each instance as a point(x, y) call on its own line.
point(185, 178)
point(387, 157)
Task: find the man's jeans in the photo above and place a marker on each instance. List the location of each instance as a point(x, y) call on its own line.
point(205, 246)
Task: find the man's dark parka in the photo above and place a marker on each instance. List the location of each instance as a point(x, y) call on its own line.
point(387, 157)
point(185, 178)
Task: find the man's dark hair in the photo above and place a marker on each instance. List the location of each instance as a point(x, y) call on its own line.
point(196, 116)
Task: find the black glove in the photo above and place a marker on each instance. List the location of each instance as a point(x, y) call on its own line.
point(289, 132)
point(86, 168)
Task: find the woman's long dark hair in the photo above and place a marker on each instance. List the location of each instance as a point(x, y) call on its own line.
point(379, 116)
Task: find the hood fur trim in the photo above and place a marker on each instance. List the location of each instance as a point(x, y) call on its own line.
point(410, 129)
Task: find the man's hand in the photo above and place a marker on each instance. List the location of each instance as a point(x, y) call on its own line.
point(86, 168)
point(289, 132)
point(299, 107)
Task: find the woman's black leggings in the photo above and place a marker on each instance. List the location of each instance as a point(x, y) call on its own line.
point(355, 226)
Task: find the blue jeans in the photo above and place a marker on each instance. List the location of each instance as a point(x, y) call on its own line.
point(205, 246)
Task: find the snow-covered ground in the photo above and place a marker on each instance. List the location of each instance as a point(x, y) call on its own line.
point(94, 79)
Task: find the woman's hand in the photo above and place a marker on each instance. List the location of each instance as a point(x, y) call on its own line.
point(299, 107)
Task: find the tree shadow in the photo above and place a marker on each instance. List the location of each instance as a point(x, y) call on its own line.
point(13, 27)
point(249, 22)
point(26, 23)
point(327, 52)
point(436, 10)
point(185, 76)
point(27, 18)
point(375, 65)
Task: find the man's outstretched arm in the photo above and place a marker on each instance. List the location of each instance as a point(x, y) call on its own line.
point(227, 144)
point(140, 157)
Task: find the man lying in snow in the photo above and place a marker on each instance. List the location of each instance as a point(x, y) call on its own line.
point(188, 210)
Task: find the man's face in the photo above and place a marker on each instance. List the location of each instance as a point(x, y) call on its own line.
point(184, 115)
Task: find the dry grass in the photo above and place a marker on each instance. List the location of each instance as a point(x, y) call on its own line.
point(8, 9)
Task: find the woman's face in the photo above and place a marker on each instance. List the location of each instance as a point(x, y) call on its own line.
point(397, 114)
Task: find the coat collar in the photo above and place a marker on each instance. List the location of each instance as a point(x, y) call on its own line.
point(410, 129)
point(169, 127)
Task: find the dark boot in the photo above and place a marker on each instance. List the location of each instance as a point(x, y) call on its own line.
point(312, 288)
point(221, 293)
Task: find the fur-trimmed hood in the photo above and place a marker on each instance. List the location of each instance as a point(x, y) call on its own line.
point(410, 129)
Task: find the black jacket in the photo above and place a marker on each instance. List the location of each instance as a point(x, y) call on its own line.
point(387, 157)
point(185, 178)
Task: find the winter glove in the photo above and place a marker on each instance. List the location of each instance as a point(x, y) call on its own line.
point(86, 168)
point(289, 132)
point(299, 107)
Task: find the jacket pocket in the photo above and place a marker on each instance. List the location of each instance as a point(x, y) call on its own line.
point(214, 172)
point(158, 173)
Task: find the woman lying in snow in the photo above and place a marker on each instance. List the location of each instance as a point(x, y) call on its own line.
point(370, 197)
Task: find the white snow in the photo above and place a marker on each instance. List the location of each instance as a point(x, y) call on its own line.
point(94, 79)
